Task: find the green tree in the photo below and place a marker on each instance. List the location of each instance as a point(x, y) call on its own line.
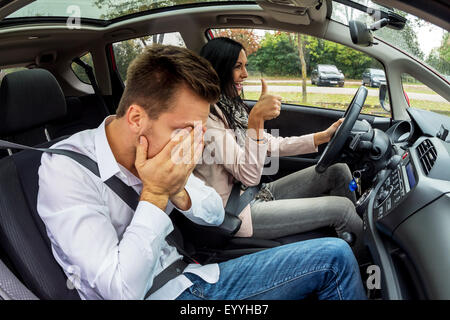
point(246, 37)
point(444, 50)
point(350, 61)
point(125, 52)
point(439, 58)
point(406, 38)
point(115, 8)
point(278, 56)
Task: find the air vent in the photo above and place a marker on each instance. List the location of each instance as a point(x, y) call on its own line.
point(427, 155)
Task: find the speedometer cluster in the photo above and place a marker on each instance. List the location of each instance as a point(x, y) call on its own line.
point(401, 132)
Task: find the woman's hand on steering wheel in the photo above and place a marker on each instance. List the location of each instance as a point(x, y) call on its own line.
point(326, 135)
point(333, 149)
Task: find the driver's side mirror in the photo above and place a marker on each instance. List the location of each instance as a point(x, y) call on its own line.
point(384, 98)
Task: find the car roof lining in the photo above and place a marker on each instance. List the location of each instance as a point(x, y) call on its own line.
point(70, 43)
point(59, 37)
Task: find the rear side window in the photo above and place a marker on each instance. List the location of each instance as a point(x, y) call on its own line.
point(126, 51)
point(5, 71)
point(79, 71)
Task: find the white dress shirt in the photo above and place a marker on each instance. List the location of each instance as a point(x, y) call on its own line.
point(107, 250)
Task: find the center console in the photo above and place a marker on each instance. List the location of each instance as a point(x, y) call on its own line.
point(386, 197)
point(394, 189)
point(384, 210)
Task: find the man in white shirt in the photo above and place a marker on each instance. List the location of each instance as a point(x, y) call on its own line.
point(110, 251)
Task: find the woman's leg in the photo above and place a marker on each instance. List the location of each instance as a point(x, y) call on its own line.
point(325, 267)
point(307, 183)
point(301, 204)
point(279, 218)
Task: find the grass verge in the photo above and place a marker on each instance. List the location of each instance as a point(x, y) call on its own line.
point(341, 101)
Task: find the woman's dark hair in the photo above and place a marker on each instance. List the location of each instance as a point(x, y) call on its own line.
point(223, 54)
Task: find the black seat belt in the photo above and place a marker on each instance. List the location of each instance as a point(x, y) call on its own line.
point(129, 196)
point(90, 74)
point(237, 202)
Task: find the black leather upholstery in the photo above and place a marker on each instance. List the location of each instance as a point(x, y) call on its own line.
point(85, 112)
point(22, 233)
point(211, 244)
point(29, 99)
point(32, 101)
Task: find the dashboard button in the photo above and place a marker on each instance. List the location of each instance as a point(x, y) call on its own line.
point(388, 204)
point(380, 212)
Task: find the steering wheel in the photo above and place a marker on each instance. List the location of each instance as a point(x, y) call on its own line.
point(334, 147)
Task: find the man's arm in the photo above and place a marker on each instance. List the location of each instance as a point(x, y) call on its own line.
point(182, 200)
point(80, 224)
point(158, 200)
point(161, 176)
point(207, 207)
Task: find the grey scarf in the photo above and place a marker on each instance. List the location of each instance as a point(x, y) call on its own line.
point(239, 115)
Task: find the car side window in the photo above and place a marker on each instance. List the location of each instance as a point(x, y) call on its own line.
point(420, 96)
point(126, 51)
point(79, 71)
point(334, 72)
point(5, 71)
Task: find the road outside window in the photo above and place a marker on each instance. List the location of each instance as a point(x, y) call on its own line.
point(420, 96)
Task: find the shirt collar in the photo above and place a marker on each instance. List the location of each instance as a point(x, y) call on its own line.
point(107, 164)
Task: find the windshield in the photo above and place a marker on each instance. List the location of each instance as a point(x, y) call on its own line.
point(328, 69)
point(425, 41)
point(378, 72)
point(97, 9)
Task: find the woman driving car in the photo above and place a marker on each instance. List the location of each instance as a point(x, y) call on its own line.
point(235, 138)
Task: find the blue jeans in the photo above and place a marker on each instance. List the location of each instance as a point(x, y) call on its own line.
point(325, 267)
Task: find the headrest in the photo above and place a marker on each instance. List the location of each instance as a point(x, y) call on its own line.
point(29, 99)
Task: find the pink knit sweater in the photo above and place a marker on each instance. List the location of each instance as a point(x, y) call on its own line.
point(225, 161)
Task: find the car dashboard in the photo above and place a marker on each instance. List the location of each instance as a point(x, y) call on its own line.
point(407, 219)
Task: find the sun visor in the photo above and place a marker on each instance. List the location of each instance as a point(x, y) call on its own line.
point(295, 11)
